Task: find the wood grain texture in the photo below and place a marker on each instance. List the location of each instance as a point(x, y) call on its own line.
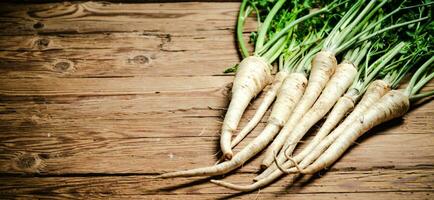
point(116, 55)
point(117, 17)
point(319, 196)
point(96, 98)
point(333, 182)
point(63, 154)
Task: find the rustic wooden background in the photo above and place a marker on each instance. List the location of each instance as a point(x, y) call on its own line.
point(96, 98)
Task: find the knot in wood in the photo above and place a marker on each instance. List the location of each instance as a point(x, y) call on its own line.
point(62, 66)
point(28, 162)
point(42, 43)
point(141, 59)
point(38, 25)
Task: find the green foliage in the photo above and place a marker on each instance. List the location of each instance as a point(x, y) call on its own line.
point(232, 69)
point(262, 7)
point(253, 37)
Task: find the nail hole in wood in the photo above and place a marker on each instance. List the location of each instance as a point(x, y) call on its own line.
point(38, 25)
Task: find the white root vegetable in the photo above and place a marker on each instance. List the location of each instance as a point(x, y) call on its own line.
point(372, 95)
point(252, 76)
point(374, 92)
point(323, 66)
point(283, 106)
point(335, 88)
point(254, 186)
point(343, 105)
point(269, 97)
point(337, 85)
point(337, 41)
point(392, 105)
point(260, 183)
point(341, 108)
point(287, 97)
point(318, 145)
point(346, 33)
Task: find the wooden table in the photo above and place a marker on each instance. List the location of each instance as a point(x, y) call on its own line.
point(97, 98)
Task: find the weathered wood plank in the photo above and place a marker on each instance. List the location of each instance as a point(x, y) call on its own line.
point(115, 17)
point(193, 114)
point(110, 86)
point(60, 119)
point(62, 154)
point(260, 195)
point(112, 53)
point(116, 55)
point(336, 182)
point(149, 53)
